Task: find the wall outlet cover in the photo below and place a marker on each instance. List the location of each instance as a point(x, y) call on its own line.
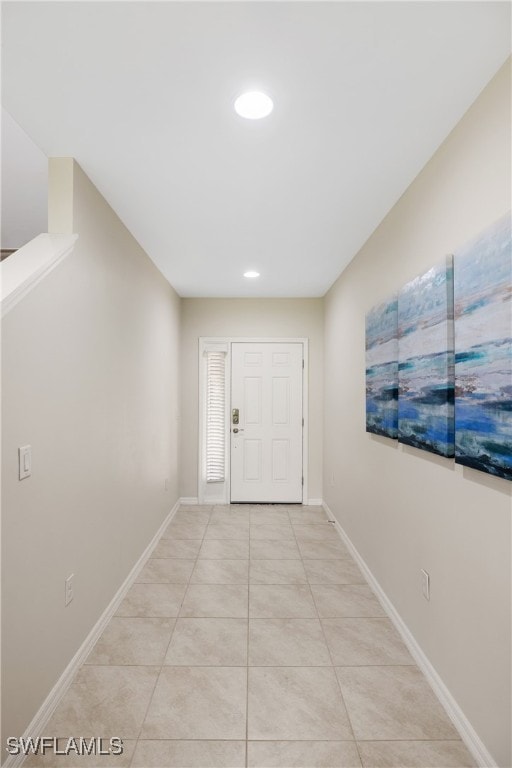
point(425, 584)
point(25, 461)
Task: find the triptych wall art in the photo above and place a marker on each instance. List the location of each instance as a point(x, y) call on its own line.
point(382, 369)
point(439, 357)
point(425, 361)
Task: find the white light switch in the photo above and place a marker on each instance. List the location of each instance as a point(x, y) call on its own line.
point(25, 456)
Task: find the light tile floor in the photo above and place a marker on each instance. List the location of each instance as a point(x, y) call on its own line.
point(252, 639)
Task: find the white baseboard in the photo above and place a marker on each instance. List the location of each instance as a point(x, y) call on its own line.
point(467, 733)
point(48, 707)
point(188, 500)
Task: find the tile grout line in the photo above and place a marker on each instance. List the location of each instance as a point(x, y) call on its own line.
point(341, 692)
point(248, 648)
point(150, 699)
point(193, 569)
point(337, 679)
point(332, 661)
point(302, 561)
point(159, 667)
point(247, 628)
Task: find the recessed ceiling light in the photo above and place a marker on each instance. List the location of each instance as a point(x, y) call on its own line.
point(254, 105)
point(251, 273)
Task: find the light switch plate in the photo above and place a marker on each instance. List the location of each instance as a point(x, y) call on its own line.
point(425, 584)
point(68, 589)
point(25, 461)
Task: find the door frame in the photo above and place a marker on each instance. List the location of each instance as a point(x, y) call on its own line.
point(219, 493)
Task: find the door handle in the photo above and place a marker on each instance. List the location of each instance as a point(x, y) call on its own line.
point(236, 429)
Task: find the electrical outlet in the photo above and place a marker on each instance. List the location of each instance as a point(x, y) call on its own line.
point(425, 584)
point(68, 589)
point(25, 461)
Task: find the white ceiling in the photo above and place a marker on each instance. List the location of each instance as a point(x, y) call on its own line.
point(141, 95)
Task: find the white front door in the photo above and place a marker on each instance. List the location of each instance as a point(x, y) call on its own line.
point(266, 422)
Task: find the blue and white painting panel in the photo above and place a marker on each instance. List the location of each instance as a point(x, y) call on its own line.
point(483, 343)
point(382, 369)
point(426, 361)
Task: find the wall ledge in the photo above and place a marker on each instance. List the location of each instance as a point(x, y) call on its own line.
point(25, 268)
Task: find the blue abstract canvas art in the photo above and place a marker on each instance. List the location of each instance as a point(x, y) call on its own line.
point(425, 361)
point(483, 343)
point(382, 369)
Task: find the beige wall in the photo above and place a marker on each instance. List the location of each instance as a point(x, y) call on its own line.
point(89, 379)
point(270, 318)
point(405, 509)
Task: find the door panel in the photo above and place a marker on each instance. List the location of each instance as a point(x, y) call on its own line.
point(280, 400)
point(281, 461)
point(266, 444)
point(252, 461)
point(252, 400)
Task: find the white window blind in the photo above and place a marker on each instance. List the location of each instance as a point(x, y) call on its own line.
point(215, 418)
